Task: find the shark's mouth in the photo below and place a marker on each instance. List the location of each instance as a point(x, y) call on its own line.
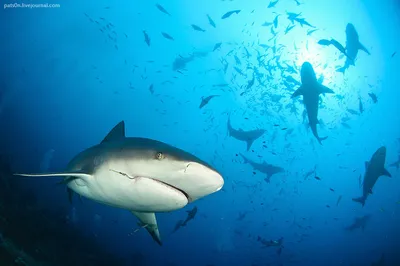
point(178, 189)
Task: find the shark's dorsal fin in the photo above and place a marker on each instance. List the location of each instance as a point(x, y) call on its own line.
point(149, 220)
point(118, 132)
point(386, 173)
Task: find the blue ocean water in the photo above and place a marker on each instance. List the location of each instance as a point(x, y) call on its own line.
point(215, 79)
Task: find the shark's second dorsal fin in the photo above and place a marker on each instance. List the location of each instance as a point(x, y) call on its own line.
point(118, 132)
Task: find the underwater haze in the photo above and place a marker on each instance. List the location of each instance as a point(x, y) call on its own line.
point(295, 103)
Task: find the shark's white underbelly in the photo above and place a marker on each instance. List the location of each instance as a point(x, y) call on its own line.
point(111, 185)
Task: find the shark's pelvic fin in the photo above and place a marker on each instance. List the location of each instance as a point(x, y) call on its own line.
point(324, 89)
point(118, 132)
point(76, 174)
point(386, 173)
point(298, 92)
point(148, 219)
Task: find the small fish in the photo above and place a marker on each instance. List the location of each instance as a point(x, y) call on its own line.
point(360, 105)
point(338, 200)
point(289, 28)
point(393, 54)
point(162, 9)
point(217, 46)
point(373, 97)
point(212, 23)
point(324, 42)
point(230, 13)
point(266, 24)
point(272, 4)
point(353, 112)
point(195, 27)
point(167, 36)
point(331, 189)
point(146, 38)
point(316, 177)
point(151, 89)
point(309, 32)
point(276, 21)
point(205, 100)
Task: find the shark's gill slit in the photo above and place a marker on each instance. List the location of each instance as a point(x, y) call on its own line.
point(187, 166)
point(124, 174)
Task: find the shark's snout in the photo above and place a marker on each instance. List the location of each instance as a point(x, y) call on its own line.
point(207, 180)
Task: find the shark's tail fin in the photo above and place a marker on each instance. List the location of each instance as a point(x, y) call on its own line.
point(360, 200)
point(320, 139)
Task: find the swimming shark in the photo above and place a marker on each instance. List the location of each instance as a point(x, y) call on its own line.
point(190, 215)
point(373, 170)
point(311, 89)
point(359, 222)
point(141, 175)
point(248, 136)
point(264, 168)
point(353, 44)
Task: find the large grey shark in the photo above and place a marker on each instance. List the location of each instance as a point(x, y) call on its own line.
point(264, 168)
point(353, 44)
point(359, 222)
point(373, 170)
point(311, 89)
point(248, 136)
point(141, 175)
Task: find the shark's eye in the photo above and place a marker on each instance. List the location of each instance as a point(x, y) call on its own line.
point(160, 156)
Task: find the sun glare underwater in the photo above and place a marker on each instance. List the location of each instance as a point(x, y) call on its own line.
point(202, 133)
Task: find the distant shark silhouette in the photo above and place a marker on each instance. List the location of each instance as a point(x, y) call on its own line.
point(190, 215)
point(311, 89)
point(248, 136)
point(353, 44)
point(373, 170)
point(141, 175)
point(264, 168)
point(359, 222)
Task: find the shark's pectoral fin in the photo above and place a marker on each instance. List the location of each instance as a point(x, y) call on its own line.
point(298, 92)
point(149, 221)
point(324, 89)
point(362, 47)
point(71, 175)
point(386, 173)
point(118, 132)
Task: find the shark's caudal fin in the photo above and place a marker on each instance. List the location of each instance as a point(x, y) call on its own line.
point(320, 139)
point(148, 219)
point(362, 47)
point(360, 200)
